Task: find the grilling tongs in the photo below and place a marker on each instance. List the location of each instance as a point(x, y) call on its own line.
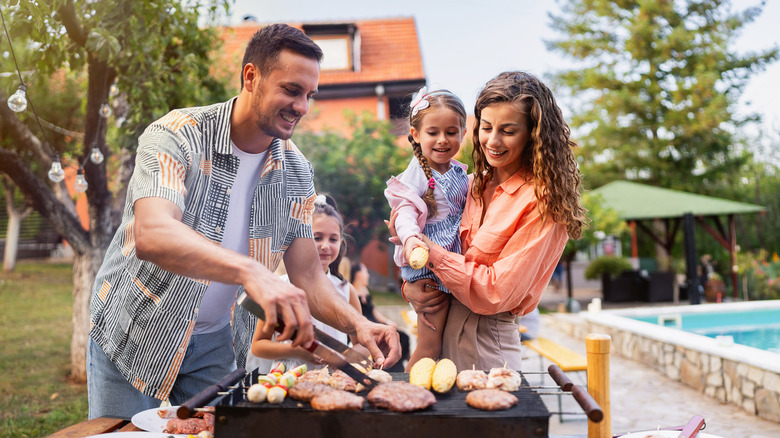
point(330, 350)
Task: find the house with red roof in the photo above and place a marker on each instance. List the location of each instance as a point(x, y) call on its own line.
point(372, 65)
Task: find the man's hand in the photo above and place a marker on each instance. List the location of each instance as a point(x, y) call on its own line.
point(282, 300)
point(425, 297)
point(381, 340)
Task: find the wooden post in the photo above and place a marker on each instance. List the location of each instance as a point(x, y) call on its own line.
point(597, 347)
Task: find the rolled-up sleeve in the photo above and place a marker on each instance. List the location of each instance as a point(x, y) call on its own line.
point(161, 167)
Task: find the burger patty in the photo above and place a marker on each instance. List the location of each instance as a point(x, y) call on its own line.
point(337, 400)
point(490, 399)
point(401, 397)
point(307, 390)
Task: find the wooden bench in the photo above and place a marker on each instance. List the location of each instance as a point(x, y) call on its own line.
point(568, 360)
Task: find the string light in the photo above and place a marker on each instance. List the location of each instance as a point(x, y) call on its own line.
point(105, 111)
point(81, 183)
point(56, 174)
point(18, 102)
point(95, 155)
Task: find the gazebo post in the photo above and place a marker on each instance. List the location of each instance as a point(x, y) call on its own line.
point(634, 246)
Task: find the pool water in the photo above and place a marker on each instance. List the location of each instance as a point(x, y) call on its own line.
point(758, 328)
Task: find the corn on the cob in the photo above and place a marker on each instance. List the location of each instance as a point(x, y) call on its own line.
point(422, 372)
point(444, 375)
point(418, 258)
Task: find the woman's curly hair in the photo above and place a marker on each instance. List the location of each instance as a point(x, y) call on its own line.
point(548, 158)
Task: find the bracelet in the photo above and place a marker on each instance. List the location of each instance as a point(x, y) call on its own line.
point(402, 291)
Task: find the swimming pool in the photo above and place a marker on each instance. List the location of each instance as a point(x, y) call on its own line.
point(733, 373)
point(757, 328)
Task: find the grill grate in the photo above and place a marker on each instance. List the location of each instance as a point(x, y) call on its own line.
point(450, 416)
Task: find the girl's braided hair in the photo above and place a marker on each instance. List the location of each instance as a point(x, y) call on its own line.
point(548, 157)
point(436, 100)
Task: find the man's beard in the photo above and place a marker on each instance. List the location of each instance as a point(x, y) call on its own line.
point(265, 122)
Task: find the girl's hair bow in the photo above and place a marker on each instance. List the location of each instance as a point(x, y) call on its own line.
point(432, 183)
point(419, 101)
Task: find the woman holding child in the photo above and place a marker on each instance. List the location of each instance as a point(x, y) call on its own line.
point(523, 205)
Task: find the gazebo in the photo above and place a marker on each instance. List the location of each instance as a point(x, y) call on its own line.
point(637, 203)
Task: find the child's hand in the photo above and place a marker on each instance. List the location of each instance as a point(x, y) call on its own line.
point(412, 243)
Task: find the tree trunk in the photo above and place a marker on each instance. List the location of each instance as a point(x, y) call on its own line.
point(661, 255)
point(85, 267)
point(15, 218)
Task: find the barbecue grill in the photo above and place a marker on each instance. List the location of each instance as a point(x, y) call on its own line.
point(450, 416)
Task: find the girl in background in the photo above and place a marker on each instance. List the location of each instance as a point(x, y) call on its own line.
point(429, 197)
point(328, 226)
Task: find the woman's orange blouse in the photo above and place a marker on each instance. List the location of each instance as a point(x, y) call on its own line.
point(507, 260)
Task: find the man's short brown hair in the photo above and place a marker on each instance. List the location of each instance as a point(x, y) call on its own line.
point(266, 44)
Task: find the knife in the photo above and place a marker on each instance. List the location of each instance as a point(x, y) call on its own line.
point(330, 350)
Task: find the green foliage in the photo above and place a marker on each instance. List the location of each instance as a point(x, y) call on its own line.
point(760, 273)
point(36, 397)
point(602, 220)
point(658, 87)
point(612, 265)
point(160, 55)
point(354, 170)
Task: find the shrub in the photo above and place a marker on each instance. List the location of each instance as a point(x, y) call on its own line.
point(612, 265)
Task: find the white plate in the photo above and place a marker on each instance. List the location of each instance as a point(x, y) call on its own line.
point(664, 434)
point(135, 434)
point(150, 421)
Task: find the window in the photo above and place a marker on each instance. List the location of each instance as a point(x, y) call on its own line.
point(340, 44)
point(335, 53)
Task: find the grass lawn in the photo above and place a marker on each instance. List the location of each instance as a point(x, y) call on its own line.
point(36, 398)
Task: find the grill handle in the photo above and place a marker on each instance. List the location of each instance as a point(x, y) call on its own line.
point(586, 402)
point(561, 379)
point(209, 394)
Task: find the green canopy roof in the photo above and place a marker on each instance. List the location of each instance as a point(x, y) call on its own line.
point(634, 201)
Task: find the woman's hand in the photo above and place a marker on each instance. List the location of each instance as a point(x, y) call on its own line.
point(425, 297)
point(391, 227)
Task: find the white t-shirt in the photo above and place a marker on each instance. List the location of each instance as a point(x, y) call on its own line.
point(214, 310)
point(264, 365)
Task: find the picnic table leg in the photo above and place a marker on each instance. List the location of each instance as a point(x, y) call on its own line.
point(597, 347)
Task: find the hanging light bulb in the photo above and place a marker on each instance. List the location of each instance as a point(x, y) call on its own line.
point(56, 174)
point(95, 155)
point(81, 183)
point(105, 111)
point(18, 101)
point(113, 90)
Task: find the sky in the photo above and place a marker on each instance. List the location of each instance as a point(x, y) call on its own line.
point(464, 43)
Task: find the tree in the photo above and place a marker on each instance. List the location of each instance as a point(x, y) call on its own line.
point(658, 88)
point(355, 171)
point(157, 53)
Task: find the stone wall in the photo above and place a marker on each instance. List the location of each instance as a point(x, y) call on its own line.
point(755, 390)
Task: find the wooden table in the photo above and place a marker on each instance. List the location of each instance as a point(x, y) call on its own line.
point(95, 427)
